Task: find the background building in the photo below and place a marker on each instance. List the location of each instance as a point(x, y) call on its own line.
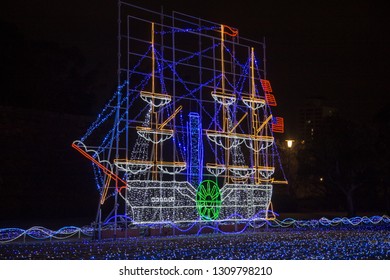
point(312, 114)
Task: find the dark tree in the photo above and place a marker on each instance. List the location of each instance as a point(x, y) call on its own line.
point(344, 155)
point(381, 154)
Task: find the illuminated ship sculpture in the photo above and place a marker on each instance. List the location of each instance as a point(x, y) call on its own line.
point(190, 129)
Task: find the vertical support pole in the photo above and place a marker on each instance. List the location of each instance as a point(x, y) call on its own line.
point(161, 82)
point(127, 120)
point(117, 119)
point(97, 221)
point(264, 59)
point(154, 114)
point(224, 128)
point(233, 70)
point(224, 113)
point(162, 79)
point(200, 147)
point(215, 103)
point(174, 98)
point(253, 91)
point(265, 77)
point(222, 60)
point(100, 225)
point(153, 66)
point(254, 117)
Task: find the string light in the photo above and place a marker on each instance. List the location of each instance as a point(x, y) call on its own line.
point(10, 235)
point(194, 127)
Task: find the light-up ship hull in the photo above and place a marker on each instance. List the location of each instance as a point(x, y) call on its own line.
point(152, 202)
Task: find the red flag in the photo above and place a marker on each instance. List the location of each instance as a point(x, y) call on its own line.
point(270, 98)
point(266, 85)
point(278, 125)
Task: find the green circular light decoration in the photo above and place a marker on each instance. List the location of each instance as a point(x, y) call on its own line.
point(208, 200)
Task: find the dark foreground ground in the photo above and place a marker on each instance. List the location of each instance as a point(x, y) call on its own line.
point(362, 242)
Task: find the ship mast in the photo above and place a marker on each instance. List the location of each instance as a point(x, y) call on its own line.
point(228, 138)
point(156, 133)
point(224, 108)
point(153, 111)
point(254, 119)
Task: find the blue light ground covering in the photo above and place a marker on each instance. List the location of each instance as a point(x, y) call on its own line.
point(339, 238)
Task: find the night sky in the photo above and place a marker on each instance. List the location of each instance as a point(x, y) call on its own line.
point(332, 49)
point(338, 50)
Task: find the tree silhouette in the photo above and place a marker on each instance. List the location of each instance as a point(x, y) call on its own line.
point(381, 154)
point(344, 156)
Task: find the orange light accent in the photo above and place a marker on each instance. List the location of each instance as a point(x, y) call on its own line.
point(284, 182)
point(238, 123)
point(132, 161)
point(278, 125)
point(238, 179)
point(263, 124)
point(155, 95)
point(171, 117)
point(253, 72)
point(246, 136)
point(231, 31)
point(271, 208)
point(270, 98)
point(172, 163)
point(215, 165)
point(223, 63)
point(101, 166)
point(266, 85)
point(105, 190)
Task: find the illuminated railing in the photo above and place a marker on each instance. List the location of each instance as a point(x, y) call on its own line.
point(171, 167)
point(241, 171)
point(154, 135)
point(229, 140)
point(226, 99)
point(155, 99)
point(253, 102)
point(215, 169)
point(133, 166)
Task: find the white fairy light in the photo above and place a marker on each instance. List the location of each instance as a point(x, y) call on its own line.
point(155, 100)
point(150, 134)
point(253, 103)
point(223, 98)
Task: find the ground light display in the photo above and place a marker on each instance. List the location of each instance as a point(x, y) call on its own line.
point(324, 239)
point(189, 135)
